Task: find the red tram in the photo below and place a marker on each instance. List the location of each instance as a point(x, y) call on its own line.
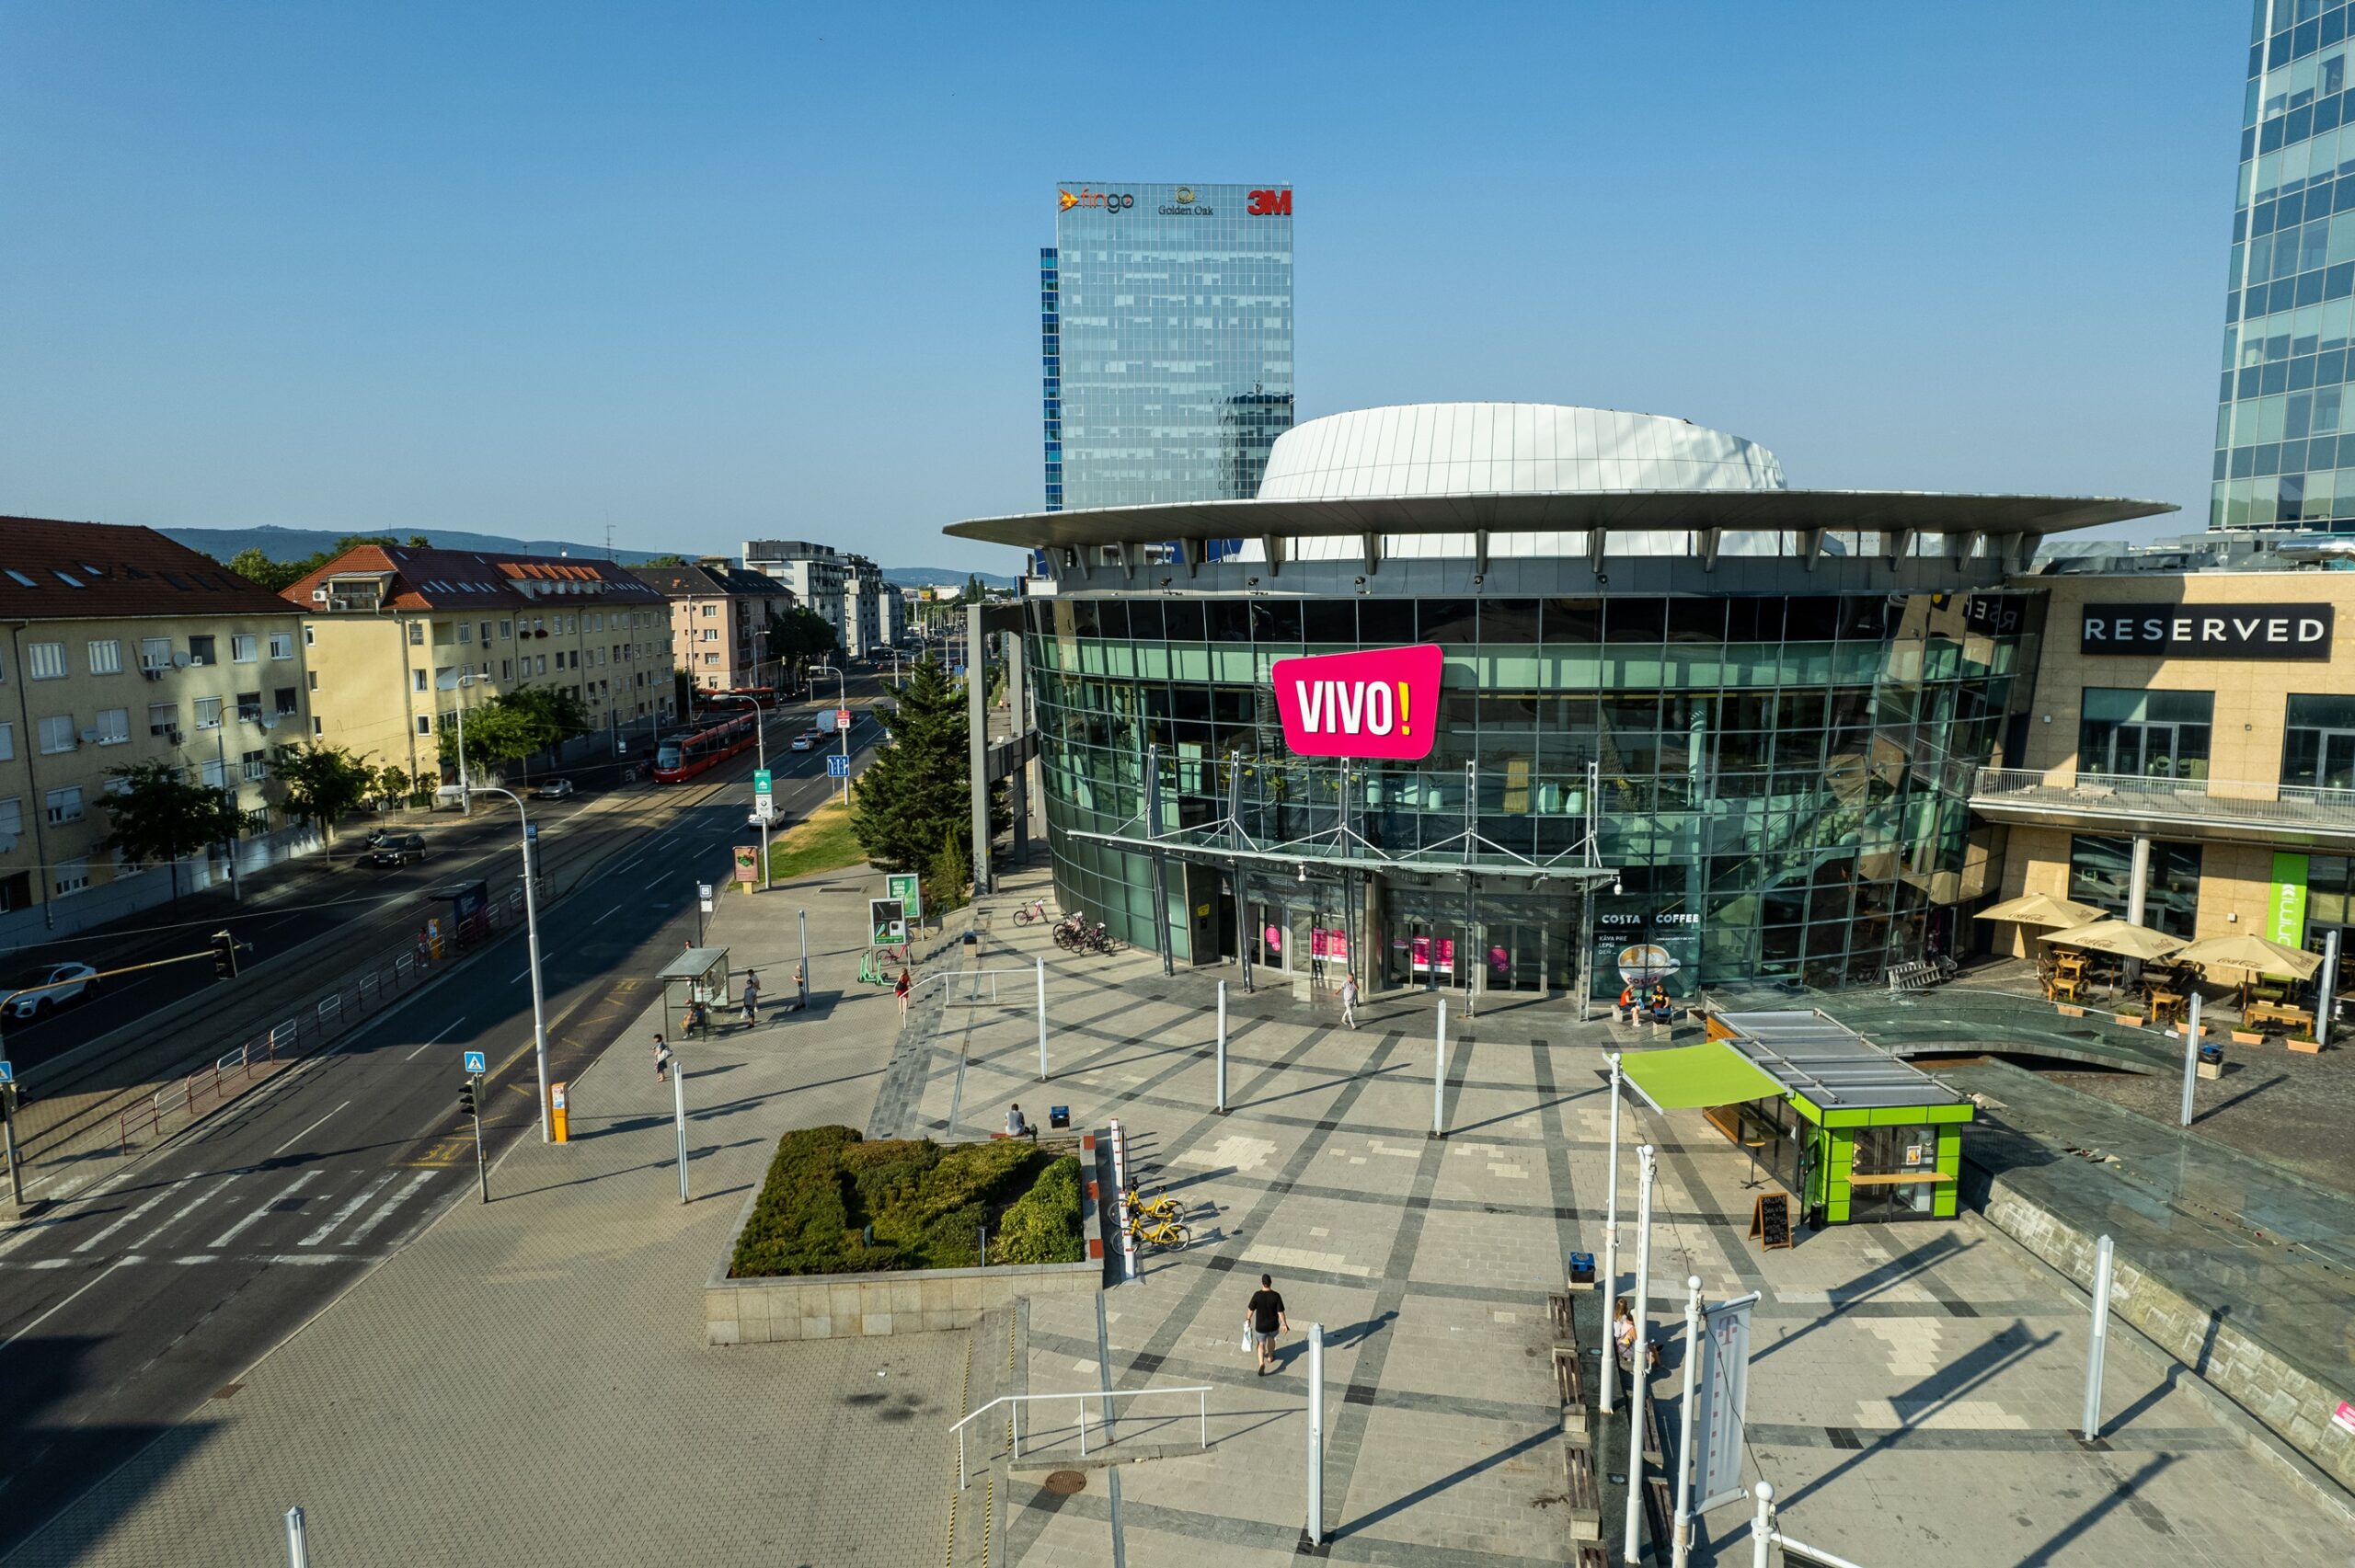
point(683, 756)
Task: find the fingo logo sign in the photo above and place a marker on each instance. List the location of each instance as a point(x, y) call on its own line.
point(1380, 704)
point(1111, 201)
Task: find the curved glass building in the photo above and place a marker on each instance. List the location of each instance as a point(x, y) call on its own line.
point(1688, 722)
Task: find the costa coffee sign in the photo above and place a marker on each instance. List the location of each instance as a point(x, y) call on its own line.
point(1383, 702)
point(2207, 631)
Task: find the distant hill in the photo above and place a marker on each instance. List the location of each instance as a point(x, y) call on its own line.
point(933, 577)
point(295, 543)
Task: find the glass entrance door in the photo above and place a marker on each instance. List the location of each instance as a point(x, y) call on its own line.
point(2338, 758)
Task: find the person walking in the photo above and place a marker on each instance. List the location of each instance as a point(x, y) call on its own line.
point(901, 990)
point(800, 987)
point(661, 1061)
point(1264, 1316)
point(751, 999)
point(1350, 1001)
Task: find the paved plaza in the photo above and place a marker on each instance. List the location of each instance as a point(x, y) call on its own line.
point(1915, 1388)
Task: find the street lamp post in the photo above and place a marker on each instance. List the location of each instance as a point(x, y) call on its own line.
point(532, 938)
point(760, 730)
point(842, 704)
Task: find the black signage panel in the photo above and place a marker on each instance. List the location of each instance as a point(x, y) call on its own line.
point(1997, 613)
point(2207, 631)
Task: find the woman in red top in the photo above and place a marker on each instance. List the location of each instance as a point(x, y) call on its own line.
point(901, 991)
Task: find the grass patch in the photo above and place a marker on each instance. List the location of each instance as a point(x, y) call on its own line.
point(820, 842)
point(834, 1203)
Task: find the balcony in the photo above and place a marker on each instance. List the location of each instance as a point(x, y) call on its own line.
point(2207, 809)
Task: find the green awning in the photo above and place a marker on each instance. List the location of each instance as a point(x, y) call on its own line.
point(1711, 1073)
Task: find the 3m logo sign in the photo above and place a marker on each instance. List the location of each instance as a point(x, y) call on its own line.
point(1271, 203)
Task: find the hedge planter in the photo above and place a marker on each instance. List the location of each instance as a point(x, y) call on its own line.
point(847, 1237)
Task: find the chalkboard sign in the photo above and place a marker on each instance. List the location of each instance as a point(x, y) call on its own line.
point(1770, 1220)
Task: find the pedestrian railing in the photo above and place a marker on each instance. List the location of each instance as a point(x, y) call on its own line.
point(1763, 1535)
point(973, 987)
point(1202, 1414)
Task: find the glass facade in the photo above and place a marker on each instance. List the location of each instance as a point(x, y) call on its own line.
point(1771, 786)
point(1166, 336)
point(2281, 412)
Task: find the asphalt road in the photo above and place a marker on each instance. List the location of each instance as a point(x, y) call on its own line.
point(122, 1311)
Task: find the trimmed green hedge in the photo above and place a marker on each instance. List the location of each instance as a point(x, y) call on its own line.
point(834, 1203)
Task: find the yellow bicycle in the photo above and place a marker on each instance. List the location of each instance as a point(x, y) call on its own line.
point(1167, 1233)
point(1157, 1207)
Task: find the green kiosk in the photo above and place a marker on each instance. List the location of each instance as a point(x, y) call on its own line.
point(1847, 1128)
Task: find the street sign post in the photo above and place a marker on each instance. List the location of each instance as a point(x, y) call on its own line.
point(888, 920)
point(8, 1116)
point(761, 781)
point(478, 1063)
point(842, 718)
point(838, 767)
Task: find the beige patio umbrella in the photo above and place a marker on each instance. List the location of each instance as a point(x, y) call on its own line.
point(2246, 951)
point(2116, 936)
point(2042, 909)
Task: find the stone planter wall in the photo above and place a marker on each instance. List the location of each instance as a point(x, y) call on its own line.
point(846, 1305)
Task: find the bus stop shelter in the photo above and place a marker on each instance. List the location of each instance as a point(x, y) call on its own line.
point(1851, 1131)
point(699, 974)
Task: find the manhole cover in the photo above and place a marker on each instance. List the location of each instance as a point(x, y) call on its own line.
point(1064, 1482)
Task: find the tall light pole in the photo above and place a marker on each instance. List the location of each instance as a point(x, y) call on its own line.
point(532, 937)
point(842, 704)
point(760, 730)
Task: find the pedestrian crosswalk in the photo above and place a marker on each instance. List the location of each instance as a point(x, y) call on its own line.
point(262, 1215)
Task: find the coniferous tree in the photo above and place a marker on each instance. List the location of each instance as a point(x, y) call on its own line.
point(950, 874)
point(916, 785)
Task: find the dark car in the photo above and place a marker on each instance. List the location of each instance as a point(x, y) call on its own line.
point(398, 849)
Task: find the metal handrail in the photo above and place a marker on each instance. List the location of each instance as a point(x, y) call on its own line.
point(2243, 798)
point(945, 976)
point(1199, 1390)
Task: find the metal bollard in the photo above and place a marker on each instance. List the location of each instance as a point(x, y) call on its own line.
point(1221, 1047)
point(2098, 1341)
point(298, 1542)
point(1761, 1524)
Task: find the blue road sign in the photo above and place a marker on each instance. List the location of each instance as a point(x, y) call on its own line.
point(7, 1073)
point(531, 829)
point(838, 767)
point(476, 1062)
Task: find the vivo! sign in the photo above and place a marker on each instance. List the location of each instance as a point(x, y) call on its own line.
point(1380, 704)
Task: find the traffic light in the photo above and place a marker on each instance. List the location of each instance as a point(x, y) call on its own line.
point(466, 1103)
point(224, 955)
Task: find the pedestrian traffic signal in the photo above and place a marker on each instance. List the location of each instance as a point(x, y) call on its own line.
point(466, 1103)
point(224, 955)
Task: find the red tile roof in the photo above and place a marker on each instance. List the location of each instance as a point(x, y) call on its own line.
point(468, 579)
point(55, 571)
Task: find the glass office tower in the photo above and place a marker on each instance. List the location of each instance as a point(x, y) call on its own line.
point(2285, 429)
point(1166, 342)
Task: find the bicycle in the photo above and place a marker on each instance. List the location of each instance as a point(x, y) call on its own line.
point(1035, 913)
point(1167, 1233)
point(1099, 940)
point(1161, 1206)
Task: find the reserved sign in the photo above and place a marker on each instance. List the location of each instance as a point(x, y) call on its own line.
point(2207, 631)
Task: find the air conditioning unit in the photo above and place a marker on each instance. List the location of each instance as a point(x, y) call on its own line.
point(89, 737)
point(153, 671)
point(172, 733)
point(318, 596)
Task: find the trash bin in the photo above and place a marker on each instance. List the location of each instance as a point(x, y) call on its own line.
point(2212, 1060)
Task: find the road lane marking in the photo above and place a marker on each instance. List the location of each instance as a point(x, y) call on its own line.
point(385, 1209)
point(233, 1231)
point(69, 1300)
point(307, 1132)
point(608, 915)
point(346, 1211)
point(130, 1214)
point(435, 1041)
point(186, 1209)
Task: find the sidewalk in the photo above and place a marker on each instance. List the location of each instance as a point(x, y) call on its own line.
point(527, 1381)
point(1912, 1388)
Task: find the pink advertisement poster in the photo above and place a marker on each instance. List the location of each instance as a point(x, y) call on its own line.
point(1324, 944)
point(1383, 702)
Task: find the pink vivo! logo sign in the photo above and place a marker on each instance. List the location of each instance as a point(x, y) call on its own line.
point(1380, 704)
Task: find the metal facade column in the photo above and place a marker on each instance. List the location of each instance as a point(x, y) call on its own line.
point(977, 747)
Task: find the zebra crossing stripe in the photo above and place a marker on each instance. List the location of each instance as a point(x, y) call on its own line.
point(129, 1215)
point(346, 1212)
point(385, 1209)
point(233, 1231)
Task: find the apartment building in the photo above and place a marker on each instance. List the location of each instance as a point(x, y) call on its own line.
point(399, 640)
point(719, 620)
point(125, 648)
point(813, 572)
point(864, 591)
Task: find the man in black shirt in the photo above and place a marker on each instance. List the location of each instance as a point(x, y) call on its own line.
point(1264, 1315)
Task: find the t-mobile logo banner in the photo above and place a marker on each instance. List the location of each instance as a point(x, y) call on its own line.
point(2207, 631)
point(1383, 702)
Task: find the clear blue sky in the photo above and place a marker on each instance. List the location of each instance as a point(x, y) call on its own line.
point(709, 271)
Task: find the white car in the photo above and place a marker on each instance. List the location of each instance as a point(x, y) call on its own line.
point(61, 983)
point(806, 741)
point(553, 789)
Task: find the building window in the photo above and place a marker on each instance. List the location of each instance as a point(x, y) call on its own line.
point(255, 765)
point(318, 724)
point(416, 634)
point(65, 806)
point(113, 725)
point(282, 645)
point(241, 648)
point(506, 669)
point(201, 651)
point(2318, 742)
point(424, 725)
point(214, 775)
point(57, 734)
point(2158, 735)
point(250, 706)
point(284, 700)
point(12, 816)
point(465, 633)
point(310, 638)
point(506, 630)
point(105, 657)
point(155, 653)
point(208, 713)
point(312, 678)
point(484, 629)
point(417, 679)
point(710, 610)
point(16, 891)
point(72, 877)
point(45, 661)
point(163, 717)
point(2101, 872)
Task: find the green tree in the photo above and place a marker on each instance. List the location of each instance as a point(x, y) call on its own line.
point(515, 725)
point(974, 592)
point(915, 788)
point(801, 638)
point(395, 784)
point(950, 874)
point(323, 784)
point(260, 570)
point(664, 561)
point(158, 813)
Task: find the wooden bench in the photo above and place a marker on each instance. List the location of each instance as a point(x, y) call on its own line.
point(1582, 1499)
